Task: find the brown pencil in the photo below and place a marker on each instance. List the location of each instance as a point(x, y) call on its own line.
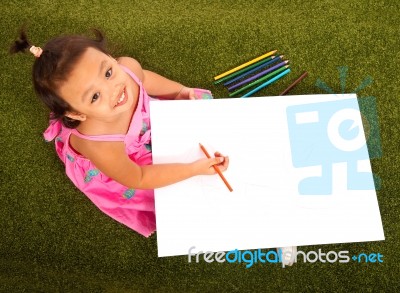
point(216, 168)
point(300, 78)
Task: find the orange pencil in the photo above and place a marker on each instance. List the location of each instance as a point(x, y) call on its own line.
point(216, 168)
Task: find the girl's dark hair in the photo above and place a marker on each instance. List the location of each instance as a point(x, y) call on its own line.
point(55, 64)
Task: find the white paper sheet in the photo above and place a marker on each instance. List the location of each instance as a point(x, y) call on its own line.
point(273, 144)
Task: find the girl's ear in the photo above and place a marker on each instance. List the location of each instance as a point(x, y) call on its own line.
point(76, 116)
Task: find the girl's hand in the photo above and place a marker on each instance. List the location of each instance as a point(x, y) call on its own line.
point(205, 166)
point(186, 94)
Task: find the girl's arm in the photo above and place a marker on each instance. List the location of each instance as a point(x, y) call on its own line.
point(157, 85)
point(110, 158)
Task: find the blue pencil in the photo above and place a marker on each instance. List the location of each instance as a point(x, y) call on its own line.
point(266, 83)
point(253, 70)
point(254, 77)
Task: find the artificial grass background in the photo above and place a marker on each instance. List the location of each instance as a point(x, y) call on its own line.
point(55, 239)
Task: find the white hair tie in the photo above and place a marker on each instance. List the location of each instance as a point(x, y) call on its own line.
point(36, 51)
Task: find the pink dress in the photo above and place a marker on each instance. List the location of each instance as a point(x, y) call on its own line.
point(131, 207)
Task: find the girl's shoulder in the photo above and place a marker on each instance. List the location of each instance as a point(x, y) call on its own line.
point(90, 149)
point(133, 65)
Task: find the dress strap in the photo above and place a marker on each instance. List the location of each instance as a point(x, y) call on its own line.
point(54, 129)
point(106, 137)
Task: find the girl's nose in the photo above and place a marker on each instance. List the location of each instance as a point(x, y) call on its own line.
point(115, 91)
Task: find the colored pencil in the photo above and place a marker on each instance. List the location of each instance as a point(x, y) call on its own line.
point(244, 70)
point(245, 64)
point(270, 62)
point(266, 83)
point(300, 78)
point(262, 73)
point(216, 168)
point(260, 80)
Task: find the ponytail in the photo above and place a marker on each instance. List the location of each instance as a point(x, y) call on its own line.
point(21, 44)
point(57, 60)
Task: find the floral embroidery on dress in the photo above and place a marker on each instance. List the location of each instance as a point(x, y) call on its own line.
point(206, 96)
point(70, 158)
point(147, 146)
point(129, 193)
point(144, 128)
point(90, 174)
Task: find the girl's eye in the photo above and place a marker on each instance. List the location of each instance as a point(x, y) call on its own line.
point(95, 97)
point(109, 73)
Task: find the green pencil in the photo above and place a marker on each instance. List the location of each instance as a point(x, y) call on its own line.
point(260, 80)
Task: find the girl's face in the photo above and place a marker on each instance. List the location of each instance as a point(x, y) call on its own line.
point(97, 88)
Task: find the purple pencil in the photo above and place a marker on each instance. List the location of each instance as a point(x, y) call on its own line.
point(231, 88)
point(274, 59)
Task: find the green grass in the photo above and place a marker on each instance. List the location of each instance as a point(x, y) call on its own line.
point(54, 239)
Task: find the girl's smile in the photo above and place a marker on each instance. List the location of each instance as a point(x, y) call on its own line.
point(122, 99)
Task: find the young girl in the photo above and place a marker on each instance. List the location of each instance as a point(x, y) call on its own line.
point(100, 122)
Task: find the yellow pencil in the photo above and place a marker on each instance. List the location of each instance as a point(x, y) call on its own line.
point(245, 64)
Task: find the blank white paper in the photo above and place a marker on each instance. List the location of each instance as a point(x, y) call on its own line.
point(274, 143)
